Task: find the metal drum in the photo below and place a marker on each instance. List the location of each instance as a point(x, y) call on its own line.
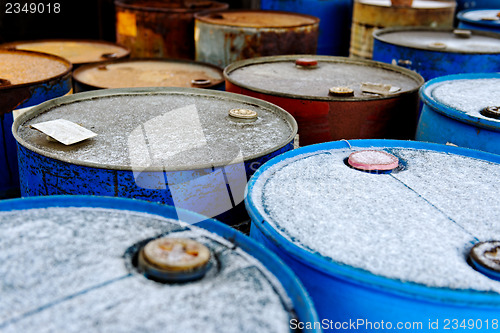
point(438, 52)
point(147, 73)
point(480, 19)
point(178, 146)
point(335, 21)
point(463, 110)
point(476, 4)
point(384, 250)
point(227, 36)
point(325, 95)
point(26, 79)
point(74, 264)
point(159, 29)
point(370, 15)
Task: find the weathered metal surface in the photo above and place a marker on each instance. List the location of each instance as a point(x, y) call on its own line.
point(209, 185)
point(147, 73)
point(464, 126)
point(322, 117)
point(21, 95)
point(153, 28)
point(226, 36)
point(480, 19)
point(76, 51)
point(412, 48)
point(370, 15)
point(335, 21)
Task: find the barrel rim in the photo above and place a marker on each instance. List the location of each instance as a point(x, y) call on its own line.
point(66, 63)
point(419, 80)
point(201, 18)
point(15, 44)
point(86, 67)
point(359, 276)
point(293, 288)
point(493, 24)
point(379, 36)
point(450, 112)
point(447, 5)
point(90, 95)
point(136, 6)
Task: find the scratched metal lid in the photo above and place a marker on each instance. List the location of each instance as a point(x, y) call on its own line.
point(76, 51)
point(149, 73)
point(484, 17)
point(159, 128)
point(73, 269)
point(470, 98)
point(257, 18)
point(282, 76)
point(441, 40)
point(417, 4)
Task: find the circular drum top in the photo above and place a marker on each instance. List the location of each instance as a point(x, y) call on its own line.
point(70, 269)
point(415, 224)
point(20, 67)
point(76, 51)
point(465, 96)
point(148, 73)
point(281, 76)
point(459, 41)
point(160, 128)
point(258, 19)
point(489, 17)
point(417, 4)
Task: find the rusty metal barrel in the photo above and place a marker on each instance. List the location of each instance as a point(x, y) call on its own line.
point(159, 29)
point(333, 98)
point(226, 36)
point(26, 79)
point(77, 51)
point(369, 15)
point(130, 73)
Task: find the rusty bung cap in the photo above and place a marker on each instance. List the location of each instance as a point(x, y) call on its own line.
point(174, 259)
point(341, 91)
point(437, 46)
point(306, 63)
point(491, 112)
point(200, 82)
point(485, 258)
point(373, 160)
point(243, 113)
point(5, 83)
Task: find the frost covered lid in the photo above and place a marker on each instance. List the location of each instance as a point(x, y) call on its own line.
point(467, 95)
point(70, 270)
point(76, 51)
point(149, 73)
point(281, 76)
point(160, 128)
point(482, 16)
point(454, 41)
point(20, 67)
point(258, 19)
point(414, 224)
point(417, 4)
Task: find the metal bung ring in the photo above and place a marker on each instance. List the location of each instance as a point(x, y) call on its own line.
point(307, 63)
point(102, 67)
point(341, 91)
point(462, 33)
point(491, 112)
point(490, 18)
point(373, 160)
point(200, 82)
point(243, 113)
point(485, 258)
point(174, 259)
point(5, 83)
point(437, 45)
point(109, 55)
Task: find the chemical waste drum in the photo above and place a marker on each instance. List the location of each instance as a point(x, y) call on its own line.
point(326, 95)
point(480, 19)
point(26, 79)
point(387, 248)
point(78, 52)
point(76, 264)
point(438, 52)
point(177, 146)
point(131, 73)
point(334, 21)
point(159, 29)
point(370, 15)
point(224, 37)
point(462, 109)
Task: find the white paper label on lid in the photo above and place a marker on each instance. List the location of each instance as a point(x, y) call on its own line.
point(64, 131)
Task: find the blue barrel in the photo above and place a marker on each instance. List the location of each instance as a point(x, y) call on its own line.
point(437, 52)
point(26, 79)
point(383, 251)
point(335, 21)
point(456, 111)
point(91, 244)
point(476, 4)
point(480, 19)
point(177, 146)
